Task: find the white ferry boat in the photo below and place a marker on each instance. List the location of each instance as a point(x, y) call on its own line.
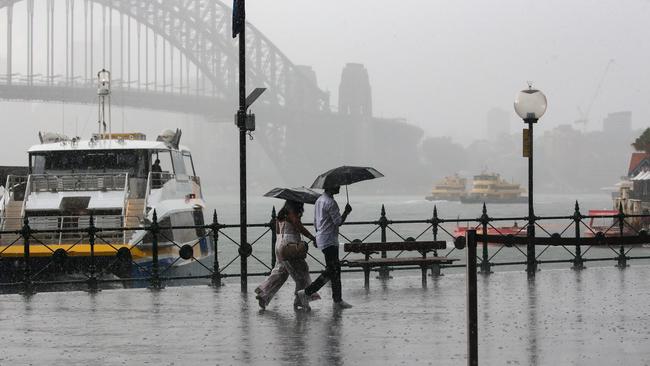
point(111, 179)
point(114, 178)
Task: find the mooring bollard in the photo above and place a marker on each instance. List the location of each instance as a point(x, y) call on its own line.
point(472, 302)
point(621, 259)
point(578, 263)
point(216, 274)
point(27, 281)
point(155, 275)
point(274, 235)
point(485, 261)
point(383, 224)
point(92, 268)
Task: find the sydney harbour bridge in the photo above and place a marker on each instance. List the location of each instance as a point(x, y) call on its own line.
point(178, 56)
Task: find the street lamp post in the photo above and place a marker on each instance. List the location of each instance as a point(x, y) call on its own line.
point(245, 122)
point(530, 105)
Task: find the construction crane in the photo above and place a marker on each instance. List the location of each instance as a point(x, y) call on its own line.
point(584, 115)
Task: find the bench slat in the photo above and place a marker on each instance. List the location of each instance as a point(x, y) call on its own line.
point(376, 262)
point(395, 246)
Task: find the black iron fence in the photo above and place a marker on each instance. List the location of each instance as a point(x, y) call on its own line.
point(30, 263)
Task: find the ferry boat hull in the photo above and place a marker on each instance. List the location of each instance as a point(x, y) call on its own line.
point(443, 197)
point(493, 200)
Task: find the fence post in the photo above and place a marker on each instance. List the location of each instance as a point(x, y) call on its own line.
point(621, 259)
point(92, 268)
point(27, 281)
point(485, 261)
point(578, 263)
point(155, 275)
point(216, 274)
point(245, 250)
point(274, 235)
point(434, 227)
point(435, 221)
point(383, 224)
point(472, 303)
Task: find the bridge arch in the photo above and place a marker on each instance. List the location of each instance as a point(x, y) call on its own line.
point(200, 31)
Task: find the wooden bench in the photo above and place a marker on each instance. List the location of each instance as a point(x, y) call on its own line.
point(424, 262)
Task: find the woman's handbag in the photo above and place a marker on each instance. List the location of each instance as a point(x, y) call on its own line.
point(294, 250)
point(291, 250)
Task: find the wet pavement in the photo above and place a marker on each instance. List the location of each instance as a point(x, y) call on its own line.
point(600, 316)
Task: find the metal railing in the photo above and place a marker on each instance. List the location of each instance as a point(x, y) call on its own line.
point(78, 182)
point(15, 185)
point(562, 240)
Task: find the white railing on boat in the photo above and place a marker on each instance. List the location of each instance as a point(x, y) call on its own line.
point(78, 182)
point(51, 223)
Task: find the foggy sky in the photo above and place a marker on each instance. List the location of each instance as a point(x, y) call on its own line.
point(444, 64)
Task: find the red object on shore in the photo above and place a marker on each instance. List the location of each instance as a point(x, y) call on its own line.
point(492, 230)
point(606, 224)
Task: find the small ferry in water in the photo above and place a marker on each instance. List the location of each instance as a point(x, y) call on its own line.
point(491, 188)
point(451, 188)
point(118, 179)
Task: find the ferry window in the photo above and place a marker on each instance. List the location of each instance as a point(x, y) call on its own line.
point(166, 165)
point(166, 234)
point(179, 164)
point(38, 164)
point(189, 164)
point(132, 162)
point(198, 222)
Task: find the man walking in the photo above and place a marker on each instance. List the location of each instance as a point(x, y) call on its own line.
point(327, 219)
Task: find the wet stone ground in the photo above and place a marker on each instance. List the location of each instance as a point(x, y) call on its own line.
point(600, 316)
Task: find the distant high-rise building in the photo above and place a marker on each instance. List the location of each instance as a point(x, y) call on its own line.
point(618, 123)
point(355, 96)
point(498, 123)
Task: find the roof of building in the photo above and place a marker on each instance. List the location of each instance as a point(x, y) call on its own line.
point(644, 175)
point(636, 159)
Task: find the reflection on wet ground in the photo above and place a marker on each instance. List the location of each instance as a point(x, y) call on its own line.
point(599, 316)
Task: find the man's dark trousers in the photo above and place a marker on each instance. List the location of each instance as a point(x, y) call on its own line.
point(332, 273)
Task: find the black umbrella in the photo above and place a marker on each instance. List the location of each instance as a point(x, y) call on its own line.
point(301, 194)
point(344, 175)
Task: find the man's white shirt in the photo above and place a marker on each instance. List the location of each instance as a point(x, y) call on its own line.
point(327, 219)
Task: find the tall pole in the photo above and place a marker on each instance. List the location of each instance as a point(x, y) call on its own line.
point(10, 16)
point(531, 263)
point(241, 120)
point(472, 300)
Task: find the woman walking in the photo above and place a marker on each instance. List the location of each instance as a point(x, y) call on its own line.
point(289, 229)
